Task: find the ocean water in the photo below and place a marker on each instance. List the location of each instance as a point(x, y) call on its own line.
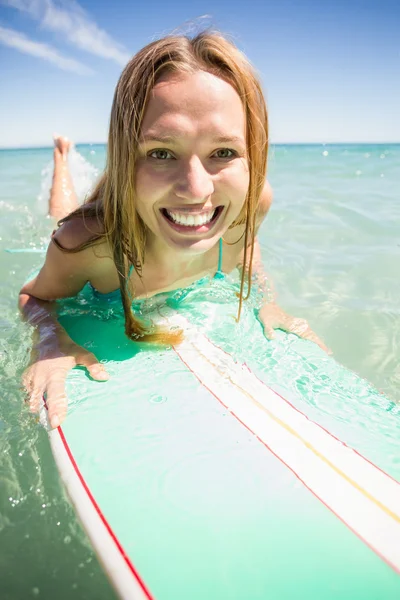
point(331, 247)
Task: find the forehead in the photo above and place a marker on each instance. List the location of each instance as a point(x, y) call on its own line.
point(195, 102)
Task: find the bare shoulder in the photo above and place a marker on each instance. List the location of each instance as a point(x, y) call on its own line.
point(69, 264)
point(265, 202)
point(74, 234)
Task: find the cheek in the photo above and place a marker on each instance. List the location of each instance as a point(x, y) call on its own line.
point(143, 183)
point(237, 180)
point(148, 190)
point(151, 184)
point(144, 194)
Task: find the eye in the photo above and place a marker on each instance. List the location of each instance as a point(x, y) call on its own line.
point(225, 153)
point(160, 154)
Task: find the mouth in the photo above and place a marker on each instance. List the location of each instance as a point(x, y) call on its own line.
point(192, 221)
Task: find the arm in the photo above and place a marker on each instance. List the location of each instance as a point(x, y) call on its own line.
point(54, 352)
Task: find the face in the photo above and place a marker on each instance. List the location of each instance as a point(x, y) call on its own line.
point(192, 172)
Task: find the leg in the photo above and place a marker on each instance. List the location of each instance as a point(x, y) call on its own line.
point(62, 199)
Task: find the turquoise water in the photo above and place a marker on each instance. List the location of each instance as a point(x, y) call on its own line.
point(331, 246)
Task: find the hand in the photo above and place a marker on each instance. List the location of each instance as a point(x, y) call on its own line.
point(273, 317)
point(48, 372)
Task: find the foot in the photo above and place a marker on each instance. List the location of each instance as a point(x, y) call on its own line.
point(62, 144)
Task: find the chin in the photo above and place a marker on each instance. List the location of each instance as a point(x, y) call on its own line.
point(192, 246)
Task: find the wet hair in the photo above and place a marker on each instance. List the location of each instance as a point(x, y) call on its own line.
point(113, 199)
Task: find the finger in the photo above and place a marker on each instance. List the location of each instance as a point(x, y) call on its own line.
point(32, 389)
point(96, 369)
point(57, 402)
point(27, 381)
point(36, 400)
point(301, 328)
point(268, 331)
point(312, 337)
point(98, 372)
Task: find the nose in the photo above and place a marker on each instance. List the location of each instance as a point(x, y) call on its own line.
point(194, 182)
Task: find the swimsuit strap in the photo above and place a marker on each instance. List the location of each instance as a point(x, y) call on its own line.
point(219, 274)
point(219, 270)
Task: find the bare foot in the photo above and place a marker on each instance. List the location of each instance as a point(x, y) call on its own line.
point(62, 144)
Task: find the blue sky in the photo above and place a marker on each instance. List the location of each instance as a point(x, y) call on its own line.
point(330, 68)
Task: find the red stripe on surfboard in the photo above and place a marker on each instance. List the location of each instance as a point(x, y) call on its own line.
point(103, 518)
point(304, 415)
point(100, 514)
point(394, 567)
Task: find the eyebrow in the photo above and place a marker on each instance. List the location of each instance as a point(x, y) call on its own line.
point(168, 139)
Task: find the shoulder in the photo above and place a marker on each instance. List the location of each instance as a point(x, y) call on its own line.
point(234, 238)
point(265, 202)
point(78, 233)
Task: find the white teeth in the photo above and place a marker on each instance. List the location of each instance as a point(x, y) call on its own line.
point(198, 220)
point(191, 220)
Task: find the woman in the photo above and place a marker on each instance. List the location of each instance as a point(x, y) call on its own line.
point(182, 197)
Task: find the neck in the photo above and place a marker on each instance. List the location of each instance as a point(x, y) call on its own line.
point(174, 264)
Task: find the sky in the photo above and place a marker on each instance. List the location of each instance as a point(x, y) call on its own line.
point(330, 69)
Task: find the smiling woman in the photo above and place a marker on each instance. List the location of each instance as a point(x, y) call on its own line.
point(210, 454)
point(185, 168)
point(185, 172)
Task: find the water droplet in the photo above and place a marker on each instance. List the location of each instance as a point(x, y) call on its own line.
point(58, 523)
point(157, 399)
point(325, 153)
point(35, 591)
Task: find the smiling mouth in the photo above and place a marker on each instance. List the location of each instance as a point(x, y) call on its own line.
point(192, 221)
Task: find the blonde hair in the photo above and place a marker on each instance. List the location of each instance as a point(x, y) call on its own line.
point(113, 199)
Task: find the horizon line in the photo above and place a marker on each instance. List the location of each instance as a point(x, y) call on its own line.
point(355, 143)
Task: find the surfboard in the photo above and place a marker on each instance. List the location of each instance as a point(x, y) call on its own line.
point(229, 467)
